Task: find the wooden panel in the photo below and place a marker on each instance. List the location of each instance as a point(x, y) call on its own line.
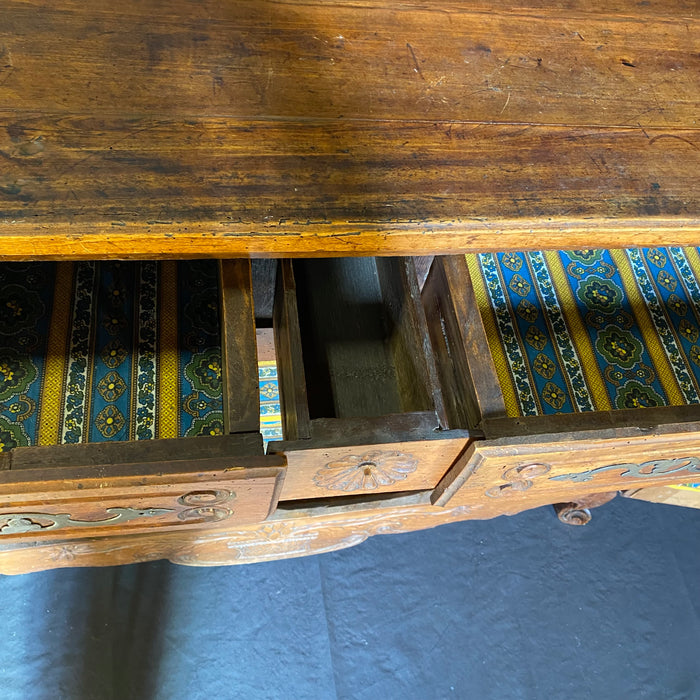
point(398, 427)
point(416, 370)
point(470, 383)
point(356, 456)
point(348, 361)
point(264, 272)
point(110, 500)
point(364, 338)
point(242, 448)
point(290, 364)
point(513, 474)
point(671, 495)
point(290, 532)
point(622, 422)
point(167, 189)
point(231, 129)
point(239, 360)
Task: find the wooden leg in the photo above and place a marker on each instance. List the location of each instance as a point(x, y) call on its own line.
point(578, 512)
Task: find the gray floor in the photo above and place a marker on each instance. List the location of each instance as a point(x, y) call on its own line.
point(519, 607)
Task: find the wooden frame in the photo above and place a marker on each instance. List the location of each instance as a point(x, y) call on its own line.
point(350, 476)
point(343, 477)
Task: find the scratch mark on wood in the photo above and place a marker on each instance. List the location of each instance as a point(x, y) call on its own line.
point(593, 160)
point(415, 60)
point(506, 104)
point(7, 76)
point(674, 136)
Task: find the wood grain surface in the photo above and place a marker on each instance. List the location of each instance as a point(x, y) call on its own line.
point(144, 129)
point(467, 373)
point(239, 358)
point(294, 403)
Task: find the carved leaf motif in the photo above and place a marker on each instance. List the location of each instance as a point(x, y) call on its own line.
point(366, 472)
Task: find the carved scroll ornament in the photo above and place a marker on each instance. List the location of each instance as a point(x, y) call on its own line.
point(17, 523)
point(518, 479)
point(646, 470)
point(205, 506)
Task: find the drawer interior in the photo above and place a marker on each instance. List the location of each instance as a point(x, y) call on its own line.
point(591, 330)
point(108, 373)
point(352, 343)
point(361, 404)
point(358, 358)
point(117, 351)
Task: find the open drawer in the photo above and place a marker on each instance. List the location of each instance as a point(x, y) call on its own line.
point(102, 489)
point(362, 408)
point(129, 400)
point(570, 364)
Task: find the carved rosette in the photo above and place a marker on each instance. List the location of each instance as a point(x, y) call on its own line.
point(365, 472)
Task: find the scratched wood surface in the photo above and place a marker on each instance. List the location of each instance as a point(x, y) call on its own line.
point(150, 129)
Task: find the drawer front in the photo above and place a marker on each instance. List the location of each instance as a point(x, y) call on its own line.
point(510, 475)
point(368, 468)
point(109, 497)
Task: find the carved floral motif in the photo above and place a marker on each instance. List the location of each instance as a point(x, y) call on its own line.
point(263, 542)
point(369, 471)
point(206, 506)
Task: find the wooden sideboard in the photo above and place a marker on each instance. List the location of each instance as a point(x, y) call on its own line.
point(230, 130)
